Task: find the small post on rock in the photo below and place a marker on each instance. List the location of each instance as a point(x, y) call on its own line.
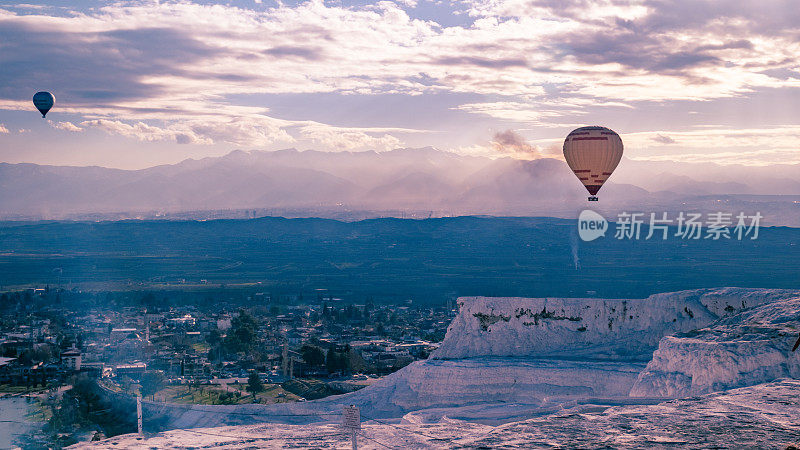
point(139, 412)
point(351, 421)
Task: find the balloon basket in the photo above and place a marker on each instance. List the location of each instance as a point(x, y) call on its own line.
point(593, 199)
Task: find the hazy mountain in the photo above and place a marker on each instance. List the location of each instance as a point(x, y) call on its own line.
point(423, 179)
point(709, 178)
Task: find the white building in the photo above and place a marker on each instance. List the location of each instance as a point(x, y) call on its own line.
point(120, 334)
point(71, 359)
point(223, 323)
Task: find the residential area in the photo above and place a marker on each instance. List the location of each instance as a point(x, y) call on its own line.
point(120, 338)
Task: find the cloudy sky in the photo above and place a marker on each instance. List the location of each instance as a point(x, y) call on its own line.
point(145, 83)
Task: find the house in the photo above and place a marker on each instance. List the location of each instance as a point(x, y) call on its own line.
point(93, 369)
point(183, 322)
point(134, 370)
point(71, 359)
point(223, 323)
point(6, 369)
point(120, 334)
point(294, 338)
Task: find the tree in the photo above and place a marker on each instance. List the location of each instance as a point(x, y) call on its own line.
point(337, 361)
point(313, 355)
point(332, 362)
point(242, 334)
point(152, 381)
point(254, 384)
point(214, 337)
point(148, 300)
point(344, 363)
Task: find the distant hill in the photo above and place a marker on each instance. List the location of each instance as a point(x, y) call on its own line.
point(423, 179)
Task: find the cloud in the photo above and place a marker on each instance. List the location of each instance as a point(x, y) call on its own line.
point(306, 53)
point(515, 111)
point(509, 142)
point(3, 129)
point(242, 131)
point(481, 62)
point(662, 139)
point(218, 50)
point(145, 132)
point(547, 113)
point(752, 146)
point(349, 139)
point(258, 130)
point(753, 158)
point(91, 68)
point(206, 73)
point(66, 126)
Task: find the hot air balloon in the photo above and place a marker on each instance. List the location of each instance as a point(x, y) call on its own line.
point(593, 153)
point(43, 101)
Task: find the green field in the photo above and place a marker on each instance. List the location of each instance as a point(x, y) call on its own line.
point(223, 395)
point(385, 259)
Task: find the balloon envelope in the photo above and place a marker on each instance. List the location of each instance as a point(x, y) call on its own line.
point(593, 153)
point(43, 101)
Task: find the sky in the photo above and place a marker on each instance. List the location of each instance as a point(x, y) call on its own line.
point(143, 83)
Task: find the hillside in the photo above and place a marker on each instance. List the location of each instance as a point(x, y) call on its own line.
point(692, 422)
point(560, 397)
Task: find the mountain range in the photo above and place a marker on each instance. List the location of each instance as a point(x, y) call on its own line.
point(411, 179)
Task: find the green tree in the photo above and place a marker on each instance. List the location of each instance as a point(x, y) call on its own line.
point(254, 384)
point(242, 334)
point(152, 381)
point(313, 355)
point(214, 337)
point(148, 300)
point(331, 362)
point(336, 361)
point(344, 363)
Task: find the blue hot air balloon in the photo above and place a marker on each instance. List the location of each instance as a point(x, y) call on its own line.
point(43, 101)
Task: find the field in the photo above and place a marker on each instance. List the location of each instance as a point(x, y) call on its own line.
point(385, 259)
point(223, 395)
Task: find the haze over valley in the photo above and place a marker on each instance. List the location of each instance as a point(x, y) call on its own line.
point(417, 183)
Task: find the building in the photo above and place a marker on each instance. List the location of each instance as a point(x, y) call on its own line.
point(134, 370)
point(6, 369)
point(183, 322)
point(120, 334)
point(71, 359)
point(223, 323)
point(294, 338)
point(93, 369)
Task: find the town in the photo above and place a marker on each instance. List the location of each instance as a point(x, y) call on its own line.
point(212, 346)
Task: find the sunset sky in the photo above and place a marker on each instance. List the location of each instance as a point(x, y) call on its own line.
point(144, 83)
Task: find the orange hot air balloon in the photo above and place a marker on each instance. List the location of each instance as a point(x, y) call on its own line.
point(593, 153)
